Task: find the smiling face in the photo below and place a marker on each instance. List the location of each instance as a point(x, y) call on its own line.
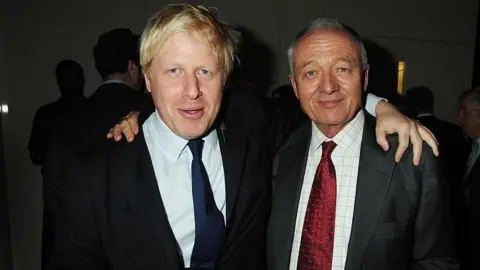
point(328, 78)
point(186, 82)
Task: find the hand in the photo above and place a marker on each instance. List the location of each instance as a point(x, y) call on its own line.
point(128, 126)
point(390, 121)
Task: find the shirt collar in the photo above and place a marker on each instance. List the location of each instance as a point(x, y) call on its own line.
point(424, 114)
point(348, 139)
point(115, 81)
point(477, 141)
point(174, 144)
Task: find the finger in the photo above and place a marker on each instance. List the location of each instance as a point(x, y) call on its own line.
point(133, 122)
point(126, 130)
point(430, 139)
point(417, 144)
point(117, 132)
point(431, 133)
point(403, 142)
point(381, 136)
point(110, 134)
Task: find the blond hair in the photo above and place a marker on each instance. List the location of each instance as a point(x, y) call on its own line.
point(188, 18)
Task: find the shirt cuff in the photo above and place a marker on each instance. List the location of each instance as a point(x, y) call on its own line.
point(371, 104)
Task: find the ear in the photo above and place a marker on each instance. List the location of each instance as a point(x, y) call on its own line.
point(294, 85)
point(147, 83)
point(365, 78)
point(133, 69)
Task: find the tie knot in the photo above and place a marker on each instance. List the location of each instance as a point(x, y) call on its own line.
point(327, 148)
point(196, 147)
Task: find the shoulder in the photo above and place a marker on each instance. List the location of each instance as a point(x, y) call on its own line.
point(393, 141)
point(300, 136)
point(299, 139)
point(244, 107)
point(111, 153)
point(47, 109)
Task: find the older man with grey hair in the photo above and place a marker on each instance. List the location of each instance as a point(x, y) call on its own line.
point(469, 119)
point(340, 201)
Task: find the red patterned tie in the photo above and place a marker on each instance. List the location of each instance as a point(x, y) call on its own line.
point(316, 248)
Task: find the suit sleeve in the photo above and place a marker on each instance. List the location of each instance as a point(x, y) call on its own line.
point(434, 244)
point(77, 242)
point(52, 173)
point(38, 142)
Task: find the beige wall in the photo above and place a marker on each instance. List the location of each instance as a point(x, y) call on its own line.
point(438, 51)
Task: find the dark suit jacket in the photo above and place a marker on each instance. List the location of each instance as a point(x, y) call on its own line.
point(43, 126)
point(85, 129)
point(401, 216)
point(112, 215)
point(453, 147)
point(472, 234)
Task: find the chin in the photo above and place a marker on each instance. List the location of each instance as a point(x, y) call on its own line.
point(190, 132)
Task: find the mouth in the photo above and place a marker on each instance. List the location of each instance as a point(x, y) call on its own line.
point(330, 103)
point(192, 113)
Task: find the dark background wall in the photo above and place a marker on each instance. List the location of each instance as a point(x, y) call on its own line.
point(436, 39)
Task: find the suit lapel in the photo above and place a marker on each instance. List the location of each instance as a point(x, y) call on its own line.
point(288, 181)
point(375, 171)
point(233, 147)
point(144, 198)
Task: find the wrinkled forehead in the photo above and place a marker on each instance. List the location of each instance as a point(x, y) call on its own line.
point(468, 102)
point(327, 42)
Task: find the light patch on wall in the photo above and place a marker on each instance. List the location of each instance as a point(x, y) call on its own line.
point(400, 76)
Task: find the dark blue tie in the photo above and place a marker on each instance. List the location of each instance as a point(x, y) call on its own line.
point(209, 222)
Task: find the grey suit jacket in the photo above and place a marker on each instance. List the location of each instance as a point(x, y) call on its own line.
point(401, 215)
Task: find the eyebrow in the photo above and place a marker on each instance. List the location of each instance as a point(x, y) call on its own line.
point(346, 59)
point(306, 63)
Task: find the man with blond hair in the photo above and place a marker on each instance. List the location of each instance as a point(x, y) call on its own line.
point(192, 191)
point(184, 194)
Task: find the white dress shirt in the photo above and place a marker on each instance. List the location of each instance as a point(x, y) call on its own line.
point(371, 104)
point(345, 157)
point(172, 161)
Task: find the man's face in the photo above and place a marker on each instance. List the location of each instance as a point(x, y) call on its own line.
point(328, 78)
point(186, 83)
point(469, 117)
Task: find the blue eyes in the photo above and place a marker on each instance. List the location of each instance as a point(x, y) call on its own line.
point(313, 73)
point(201, 71)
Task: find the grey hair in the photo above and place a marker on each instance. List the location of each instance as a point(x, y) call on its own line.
point(475, 92)
point(328, 24)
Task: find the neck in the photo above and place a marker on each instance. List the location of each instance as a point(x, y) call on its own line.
point(330, 131)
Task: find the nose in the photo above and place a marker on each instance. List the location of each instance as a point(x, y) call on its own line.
point(328, 83)
point(192, 89)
